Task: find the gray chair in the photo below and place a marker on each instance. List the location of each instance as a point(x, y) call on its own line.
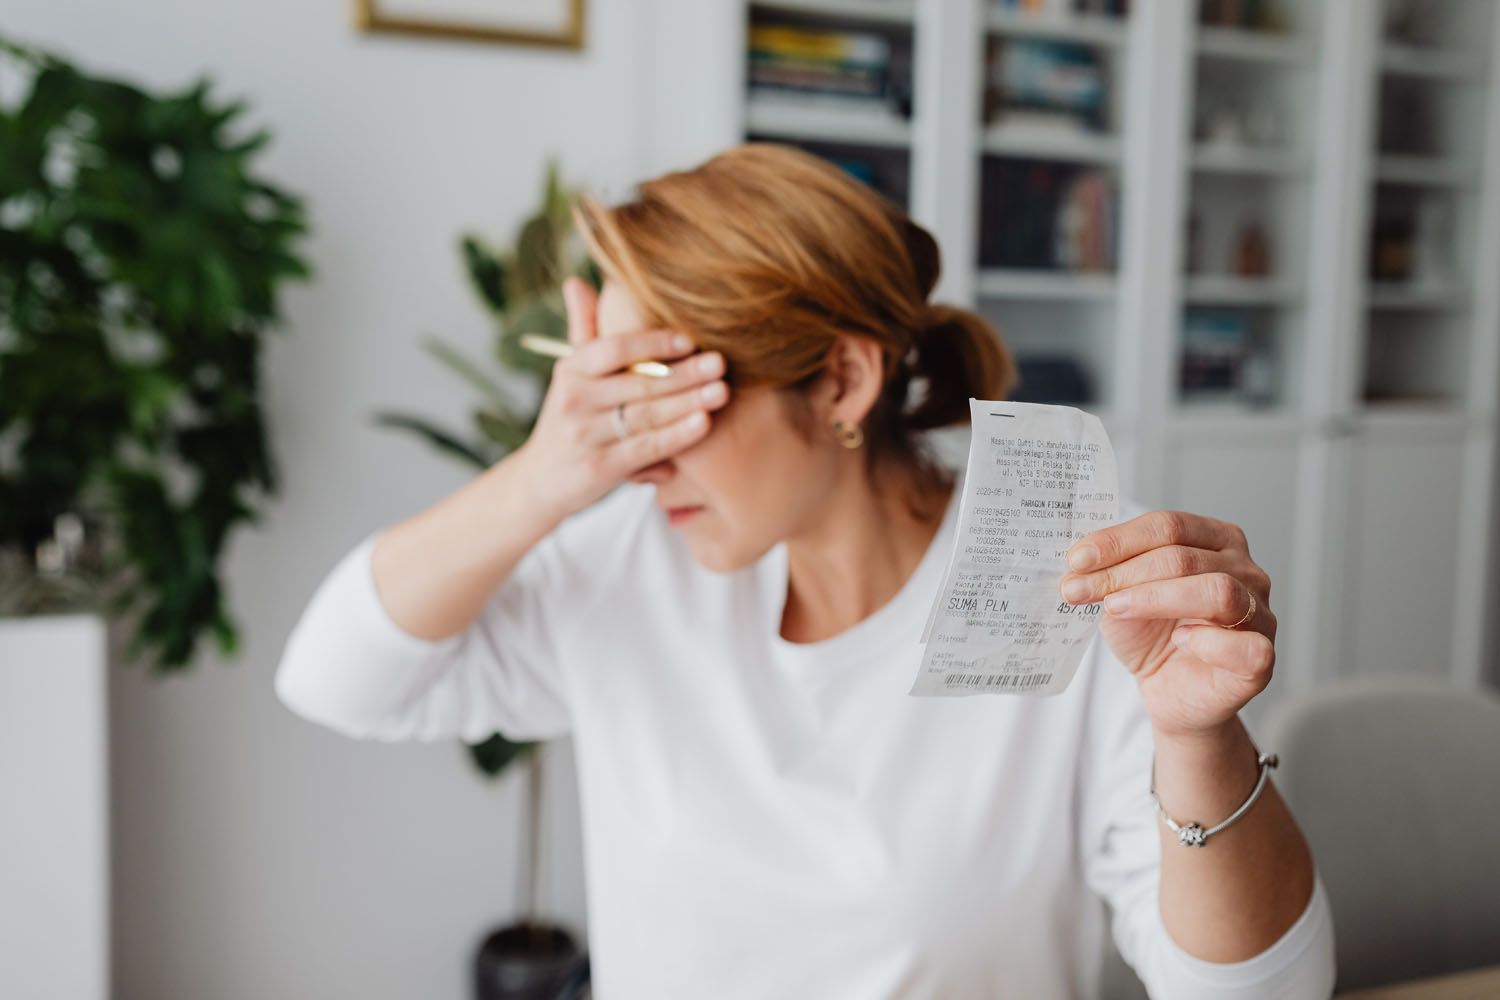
point(1396, 785)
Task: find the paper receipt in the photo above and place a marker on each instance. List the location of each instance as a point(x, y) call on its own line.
point(1038, 478)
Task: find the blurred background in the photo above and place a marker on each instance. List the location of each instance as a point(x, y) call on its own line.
point(244, 323)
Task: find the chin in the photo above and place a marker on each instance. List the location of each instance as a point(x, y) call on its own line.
point(717, 559)
point(714, 562)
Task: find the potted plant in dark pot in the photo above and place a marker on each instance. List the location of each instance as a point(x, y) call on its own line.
point(140, 264)
point(520, 288)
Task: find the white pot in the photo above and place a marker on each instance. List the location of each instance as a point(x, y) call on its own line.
point(54, 808)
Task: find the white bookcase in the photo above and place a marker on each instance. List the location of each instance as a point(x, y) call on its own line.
point(1362, 465)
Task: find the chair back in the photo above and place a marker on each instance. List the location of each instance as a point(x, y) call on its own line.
point(1396, 785)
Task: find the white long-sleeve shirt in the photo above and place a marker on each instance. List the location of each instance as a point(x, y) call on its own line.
point(767, 819)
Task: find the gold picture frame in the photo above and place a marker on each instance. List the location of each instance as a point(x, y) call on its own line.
point(369, 17)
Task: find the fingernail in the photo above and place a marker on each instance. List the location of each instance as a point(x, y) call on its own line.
point(709, 363)
point(682, 342)
point(1115, 603)
point(1083, 556)
point(1075, 589)
point(710, 393)
point(1179, 637)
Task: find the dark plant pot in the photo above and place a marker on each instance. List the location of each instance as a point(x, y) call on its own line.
point(530, 962)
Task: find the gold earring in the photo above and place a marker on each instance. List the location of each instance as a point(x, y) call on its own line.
point(850, 437)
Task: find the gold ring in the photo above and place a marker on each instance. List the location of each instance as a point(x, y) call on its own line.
point(1248, 614)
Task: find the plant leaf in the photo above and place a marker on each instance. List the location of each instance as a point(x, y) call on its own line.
point(502, 428)
point(436, 436)
point(486, 272)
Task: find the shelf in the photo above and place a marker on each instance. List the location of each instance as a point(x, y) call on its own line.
point(1251, 46)
point(1430, 63)
point(1227, 416)
point(1048, 144)
point(1043, 286)
point(1090, 29)
point(825, 119)
point(1422, 171)
point(1429, 414)
point(900, 12)
point(1210, 158)
point(1229, 290)
point(1400, 295)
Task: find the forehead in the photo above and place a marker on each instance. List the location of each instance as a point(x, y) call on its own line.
point(618, 310)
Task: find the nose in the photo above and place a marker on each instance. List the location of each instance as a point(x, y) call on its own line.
point(656, 473)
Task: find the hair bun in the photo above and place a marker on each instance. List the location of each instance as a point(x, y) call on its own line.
point(960, 355)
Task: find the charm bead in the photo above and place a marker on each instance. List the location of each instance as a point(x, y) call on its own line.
point(1193, 834)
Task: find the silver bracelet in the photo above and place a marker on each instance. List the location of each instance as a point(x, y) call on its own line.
point(1193, 834)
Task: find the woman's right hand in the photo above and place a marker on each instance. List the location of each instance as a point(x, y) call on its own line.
point(575, 454)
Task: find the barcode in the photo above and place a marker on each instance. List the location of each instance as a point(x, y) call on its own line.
point(1004, 682)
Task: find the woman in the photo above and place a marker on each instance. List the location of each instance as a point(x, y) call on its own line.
point(730, 637)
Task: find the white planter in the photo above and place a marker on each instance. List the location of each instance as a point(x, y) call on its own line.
point(54, 808)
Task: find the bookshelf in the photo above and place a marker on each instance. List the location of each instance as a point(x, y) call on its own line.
point(1358, 447)
point(1048, 175)
point(1222, 404)
point(1424, 353)
point(859, 116)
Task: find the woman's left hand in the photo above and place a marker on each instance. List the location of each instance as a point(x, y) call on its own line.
point(1174, 585)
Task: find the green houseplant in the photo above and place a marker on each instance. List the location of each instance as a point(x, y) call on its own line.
point(520, 288)
point(140, 263)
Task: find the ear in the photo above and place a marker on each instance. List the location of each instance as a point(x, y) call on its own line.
point(851, 379)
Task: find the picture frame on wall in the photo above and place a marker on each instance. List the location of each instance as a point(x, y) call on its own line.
point(554, 23)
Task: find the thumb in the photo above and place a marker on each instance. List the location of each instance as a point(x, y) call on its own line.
point(582, 303)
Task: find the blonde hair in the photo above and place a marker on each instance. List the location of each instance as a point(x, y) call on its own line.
point(768, 253)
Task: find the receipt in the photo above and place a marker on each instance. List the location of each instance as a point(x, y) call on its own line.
point(1038, 478)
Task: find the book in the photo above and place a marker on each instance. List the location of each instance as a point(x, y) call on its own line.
point(853, 64)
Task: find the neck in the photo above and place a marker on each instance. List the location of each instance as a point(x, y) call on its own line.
point(858, 554)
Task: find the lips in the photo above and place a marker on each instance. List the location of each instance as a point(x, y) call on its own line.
point(681, 515)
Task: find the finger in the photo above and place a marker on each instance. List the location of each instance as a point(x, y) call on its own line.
point(1163, 563)
point(1153, 529)
point(1217, 598)
point(644, 475)
point(582, 304)
point(628, 387)
point(606, 355)
point(1251, 655)
point(643, 417)
point(640, 450)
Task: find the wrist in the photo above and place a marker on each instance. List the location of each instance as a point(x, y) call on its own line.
point(520, 498)
point(1221, 738)
point(1206, 774)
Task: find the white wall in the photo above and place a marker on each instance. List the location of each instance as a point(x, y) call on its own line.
point(254, 854)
